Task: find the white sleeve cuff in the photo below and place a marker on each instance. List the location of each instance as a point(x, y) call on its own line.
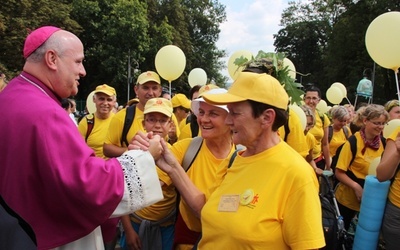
point(142, 185)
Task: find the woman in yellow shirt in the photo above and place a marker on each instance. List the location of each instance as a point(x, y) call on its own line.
point(352, 170)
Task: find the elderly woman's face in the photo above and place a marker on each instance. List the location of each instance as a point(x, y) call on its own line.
point(211, 121)
point(246, 129)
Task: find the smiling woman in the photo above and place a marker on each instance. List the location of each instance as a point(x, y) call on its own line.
point(351, 169)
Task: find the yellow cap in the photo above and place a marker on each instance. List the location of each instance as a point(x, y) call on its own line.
point(261, 88)
point(180, 100)
point(148, 76)
point(108, 90)
point(206, 88)
point(159, 105)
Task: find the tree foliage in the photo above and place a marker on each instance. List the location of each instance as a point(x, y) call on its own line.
point(113, 31)
point(327, 39)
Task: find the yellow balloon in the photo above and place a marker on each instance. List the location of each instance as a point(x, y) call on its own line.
point(197, 76)
point(90, 105)
point(372, 166)
point(382, 40)
point(170, 62)
point(390, 127)
point(233, 69)
point(341, 87)
point(322, 106)
point(291, 67)
point(334, 95)
point(300, 113)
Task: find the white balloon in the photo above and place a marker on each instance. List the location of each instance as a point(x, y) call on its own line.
point(300, 113)
point(197, 76)
point(90, 105)
point(322, 106)
point(291, 67)
point(390, 127)
point(372, 166)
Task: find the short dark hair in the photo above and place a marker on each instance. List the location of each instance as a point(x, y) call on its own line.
point(313, 89)
point(280, 118)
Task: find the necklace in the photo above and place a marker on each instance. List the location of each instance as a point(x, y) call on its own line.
point(34, 84)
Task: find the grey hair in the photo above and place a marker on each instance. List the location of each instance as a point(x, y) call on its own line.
point(338, 112)
point(369, 112)
point(52, 43)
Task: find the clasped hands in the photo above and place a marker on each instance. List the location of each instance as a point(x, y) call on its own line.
point(157, 147)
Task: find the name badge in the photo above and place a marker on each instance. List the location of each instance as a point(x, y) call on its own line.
point(229, 203)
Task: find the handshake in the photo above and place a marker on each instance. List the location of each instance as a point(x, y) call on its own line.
point(157, 147)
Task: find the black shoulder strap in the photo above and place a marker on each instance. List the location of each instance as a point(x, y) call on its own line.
point(346, 131)
point(191, 152)
point(353, 146)
point(330, 133)
point(129, 116)
point(287, 129)
point(194, 126)
point(90, 125)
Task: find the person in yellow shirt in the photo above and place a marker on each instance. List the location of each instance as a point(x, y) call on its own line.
point(386, 170)
point(148, 86)
point(338, 130)
point(310, 139)
point(104, 99)
point(267, 198)
point(312, 97)
point(351, 171)
point(191, 129)
point(93, 128)
point(153, 226)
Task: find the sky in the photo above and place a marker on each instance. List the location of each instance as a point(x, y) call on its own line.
point(250, 26)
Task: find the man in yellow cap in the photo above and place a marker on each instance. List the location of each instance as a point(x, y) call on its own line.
point(93, 127)
point(148, 86)
point(181, 106)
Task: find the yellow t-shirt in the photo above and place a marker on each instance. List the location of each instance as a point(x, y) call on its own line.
point(270, 202)
point(186, 132)
point(344, 194)
point(394, 192)
point(201, 173)
point(161, 209)
point(318, 133)
point(117, 124)
point(310, 139)
point(295, 138)
point(338, 138)
point(98, 135)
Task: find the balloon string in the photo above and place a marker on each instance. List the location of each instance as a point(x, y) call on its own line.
point(397, 83)
point(347, 99)
point(170, 88)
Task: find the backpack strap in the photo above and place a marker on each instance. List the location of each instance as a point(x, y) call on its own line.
point(129, 116)
point(90, 125)
point(286, 127)
point(346, 131)
point(194, 126)
point(191, 152)
point(330, 133)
